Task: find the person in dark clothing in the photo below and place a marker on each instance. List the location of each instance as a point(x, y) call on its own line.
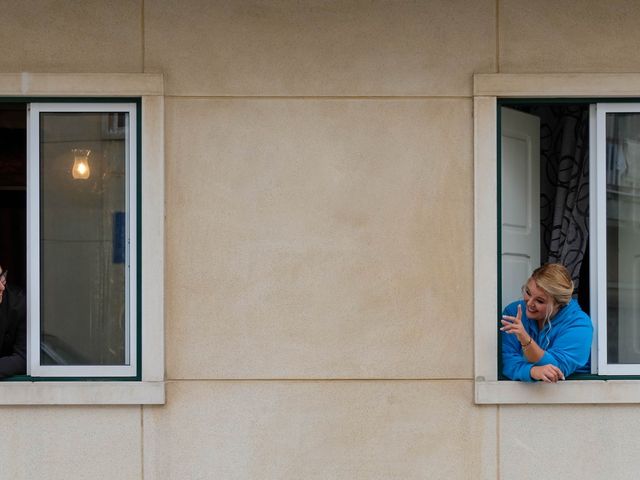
point(13, 329)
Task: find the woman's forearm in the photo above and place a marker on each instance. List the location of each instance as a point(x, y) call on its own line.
point(531, 350)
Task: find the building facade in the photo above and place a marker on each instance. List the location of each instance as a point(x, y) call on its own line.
point(318, 240)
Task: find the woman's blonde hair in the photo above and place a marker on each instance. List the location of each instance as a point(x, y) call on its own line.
point(555, 280)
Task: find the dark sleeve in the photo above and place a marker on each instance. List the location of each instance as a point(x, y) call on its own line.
point(16, 363)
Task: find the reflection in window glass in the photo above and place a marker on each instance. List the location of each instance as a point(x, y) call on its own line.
point(623, 237)
point(82, 238)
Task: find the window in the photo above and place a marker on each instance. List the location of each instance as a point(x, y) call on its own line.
point(111, 224)
point(569, 194)
point(617, 226)
point(610, 255)
point(82, 248)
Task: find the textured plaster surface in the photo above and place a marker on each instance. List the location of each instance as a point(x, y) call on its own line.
point(63, 36)
point(320, 430)
point(319, 239)
point(569, 36)
point(313, 238)
point(70, 443)
point(283, 47)
point(569, 442)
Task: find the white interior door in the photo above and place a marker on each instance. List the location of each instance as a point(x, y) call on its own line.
point(520, 187)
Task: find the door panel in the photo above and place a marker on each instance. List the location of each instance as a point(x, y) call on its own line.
point(520, 189)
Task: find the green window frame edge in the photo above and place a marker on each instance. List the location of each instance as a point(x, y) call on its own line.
point(501, 102)
point(138, 288)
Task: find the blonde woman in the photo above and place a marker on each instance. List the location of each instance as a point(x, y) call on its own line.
point(552, 339)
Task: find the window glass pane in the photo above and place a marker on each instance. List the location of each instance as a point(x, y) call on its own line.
point(82, 238)
point(623, 237)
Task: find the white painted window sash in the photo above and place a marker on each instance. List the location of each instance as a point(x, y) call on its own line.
point(600, 232)
point(594, 244)
point(33, 245)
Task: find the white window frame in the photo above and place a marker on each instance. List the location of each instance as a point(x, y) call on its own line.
point(487, 89)
point(34, 367)
point(598, 166)
point(150, 388)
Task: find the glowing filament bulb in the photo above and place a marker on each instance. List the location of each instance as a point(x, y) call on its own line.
point(81, 169)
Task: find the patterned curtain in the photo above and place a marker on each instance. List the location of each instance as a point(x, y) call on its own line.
point(564, 185)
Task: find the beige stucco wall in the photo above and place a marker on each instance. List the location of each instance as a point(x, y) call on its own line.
point(319, 284)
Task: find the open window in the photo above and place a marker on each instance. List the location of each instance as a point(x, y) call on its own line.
point(570, 193)
point(82, 239)
point(69, 195)
point(616, 251)
point(79, 202)
point(598, 93)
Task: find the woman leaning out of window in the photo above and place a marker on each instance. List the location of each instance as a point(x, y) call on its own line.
point(546, 335)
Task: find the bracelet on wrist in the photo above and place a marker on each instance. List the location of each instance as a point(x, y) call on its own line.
point(526, 345)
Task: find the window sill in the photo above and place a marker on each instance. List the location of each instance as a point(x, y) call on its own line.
point(568, 392)
point(82, 393)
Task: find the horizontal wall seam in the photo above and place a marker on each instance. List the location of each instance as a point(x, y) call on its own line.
point(319, 380)
point(321, 97)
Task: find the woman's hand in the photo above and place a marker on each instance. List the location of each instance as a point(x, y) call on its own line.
point(547, 373)
point(513, 325)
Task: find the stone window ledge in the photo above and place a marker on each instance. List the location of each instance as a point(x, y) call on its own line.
point(568, 392)
point(82, 393)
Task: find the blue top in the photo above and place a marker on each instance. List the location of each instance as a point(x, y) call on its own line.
point(566, 341)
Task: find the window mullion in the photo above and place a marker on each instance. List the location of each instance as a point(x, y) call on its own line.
point(600, 233)
point(33, 239)
point(593, 243)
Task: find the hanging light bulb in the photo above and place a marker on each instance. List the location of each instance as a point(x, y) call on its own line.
point(81, 170)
